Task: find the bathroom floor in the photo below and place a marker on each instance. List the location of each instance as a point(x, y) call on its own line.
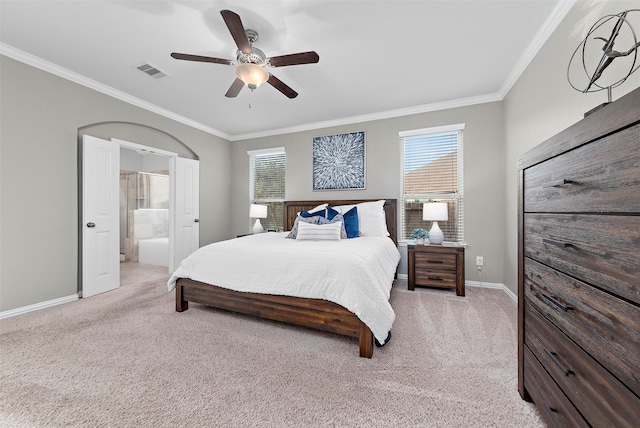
point(135, 273)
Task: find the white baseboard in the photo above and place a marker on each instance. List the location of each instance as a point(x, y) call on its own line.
point(492, 285)
point(38, 306)
point(478, 284)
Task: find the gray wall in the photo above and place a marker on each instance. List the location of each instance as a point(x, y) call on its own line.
point(541, 104)
point(41, 115)
point(483, 142)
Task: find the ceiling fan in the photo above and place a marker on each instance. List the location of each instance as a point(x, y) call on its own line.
point(251, 61)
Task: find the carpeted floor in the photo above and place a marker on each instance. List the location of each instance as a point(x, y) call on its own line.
point(127, 359)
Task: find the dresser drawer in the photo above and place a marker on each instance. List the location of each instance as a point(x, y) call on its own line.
point(436, 261)
point(600, 250)
point(610, 404)
point(554, 406)
point(606, 327)
point(598, 177)
point(435, 278)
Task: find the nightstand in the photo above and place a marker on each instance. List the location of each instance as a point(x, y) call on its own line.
point(439, 266)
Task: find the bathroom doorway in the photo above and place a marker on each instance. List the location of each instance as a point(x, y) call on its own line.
point(144, 209)
point(99, 246)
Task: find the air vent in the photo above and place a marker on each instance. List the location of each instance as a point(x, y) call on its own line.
point(150, 70)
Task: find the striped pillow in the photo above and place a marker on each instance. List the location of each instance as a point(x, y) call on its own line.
point(319, 232)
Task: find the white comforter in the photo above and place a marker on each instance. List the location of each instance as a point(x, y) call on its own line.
point(354, 273)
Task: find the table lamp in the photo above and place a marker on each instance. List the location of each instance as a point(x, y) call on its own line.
point(435, 211)
point(258, 211)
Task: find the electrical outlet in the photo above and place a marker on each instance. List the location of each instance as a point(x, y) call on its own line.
point(479, 261)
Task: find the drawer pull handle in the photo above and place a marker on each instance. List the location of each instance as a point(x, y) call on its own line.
point(435, 261)
point(435, 278)
point(558, 183)
point(554, 357)
point(557, 243)
point(555, 302)
point(552, 411)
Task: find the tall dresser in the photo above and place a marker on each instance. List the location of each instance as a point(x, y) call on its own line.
point(579, 271)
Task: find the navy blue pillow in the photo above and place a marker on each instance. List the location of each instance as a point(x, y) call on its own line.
point(350, 221)
point(331, 213)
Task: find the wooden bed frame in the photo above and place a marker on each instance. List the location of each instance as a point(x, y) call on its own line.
point(313, 313)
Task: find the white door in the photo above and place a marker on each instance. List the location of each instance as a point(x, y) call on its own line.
point(187, 208)
point(100, 216)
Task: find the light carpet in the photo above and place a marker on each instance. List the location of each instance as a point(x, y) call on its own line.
point(127, 359)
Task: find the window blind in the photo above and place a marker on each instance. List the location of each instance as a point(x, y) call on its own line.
point(267, 184)
point(432, 170)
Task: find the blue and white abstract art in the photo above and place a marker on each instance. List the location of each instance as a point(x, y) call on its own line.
point(338, 162)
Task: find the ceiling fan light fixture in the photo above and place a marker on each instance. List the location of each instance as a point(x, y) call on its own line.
point(252, 75)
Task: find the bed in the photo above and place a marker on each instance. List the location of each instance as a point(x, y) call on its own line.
point(313, 313)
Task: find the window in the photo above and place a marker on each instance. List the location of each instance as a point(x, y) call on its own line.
point(432, 171)
point(266, 184)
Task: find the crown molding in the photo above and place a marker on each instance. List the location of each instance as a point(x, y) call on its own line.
point(34, 61)
point(425, 108)
point(554, 19)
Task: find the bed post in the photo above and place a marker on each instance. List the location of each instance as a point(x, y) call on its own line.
point(366, 341)
point(181, 304)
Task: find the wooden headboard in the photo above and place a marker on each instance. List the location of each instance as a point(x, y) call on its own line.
point(292, 208)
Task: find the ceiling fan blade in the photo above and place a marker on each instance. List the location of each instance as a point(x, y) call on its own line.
point(279, 85)
point(188, 57)
point(294, 59)
point(235, 88)
point(234, 24)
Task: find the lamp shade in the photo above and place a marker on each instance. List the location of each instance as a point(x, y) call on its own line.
point(436, 211)
point(252, 75)
point(258, 211)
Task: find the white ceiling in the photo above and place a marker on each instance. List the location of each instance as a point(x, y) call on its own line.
point(377, 58)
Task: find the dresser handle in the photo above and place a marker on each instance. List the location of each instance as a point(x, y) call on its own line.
point(554, 357)
point(558, 183)
point(435, 261)
point(557, 243)
point(436, 278)
point(555, 302)
point(553, 411)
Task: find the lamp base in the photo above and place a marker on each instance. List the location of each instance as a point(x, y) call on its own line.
point(257, 227)
point(435, 234)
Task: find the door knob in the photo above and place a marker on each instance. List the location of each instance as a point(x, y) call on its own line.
point(197, 220)
point(91, 224)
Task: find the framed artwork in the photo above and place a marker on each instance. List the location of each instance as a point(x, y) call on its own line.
point(338, 162)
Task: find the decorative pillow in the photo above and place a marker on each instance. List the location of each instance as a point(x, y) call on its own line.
point(307, 214)
point(371, 218)
point(319, 232)
point(350, 220)
point(294, 230)
point(336, 218)
point(320, 210)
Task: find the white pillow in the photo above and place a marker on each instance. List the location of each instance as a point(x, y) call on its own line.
point(371, 218)
point(319, 232)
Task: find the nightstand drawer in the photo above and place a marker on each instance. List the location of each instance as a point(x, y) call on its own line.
point(435, 278)
point(439, 266)
point(436, 261)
